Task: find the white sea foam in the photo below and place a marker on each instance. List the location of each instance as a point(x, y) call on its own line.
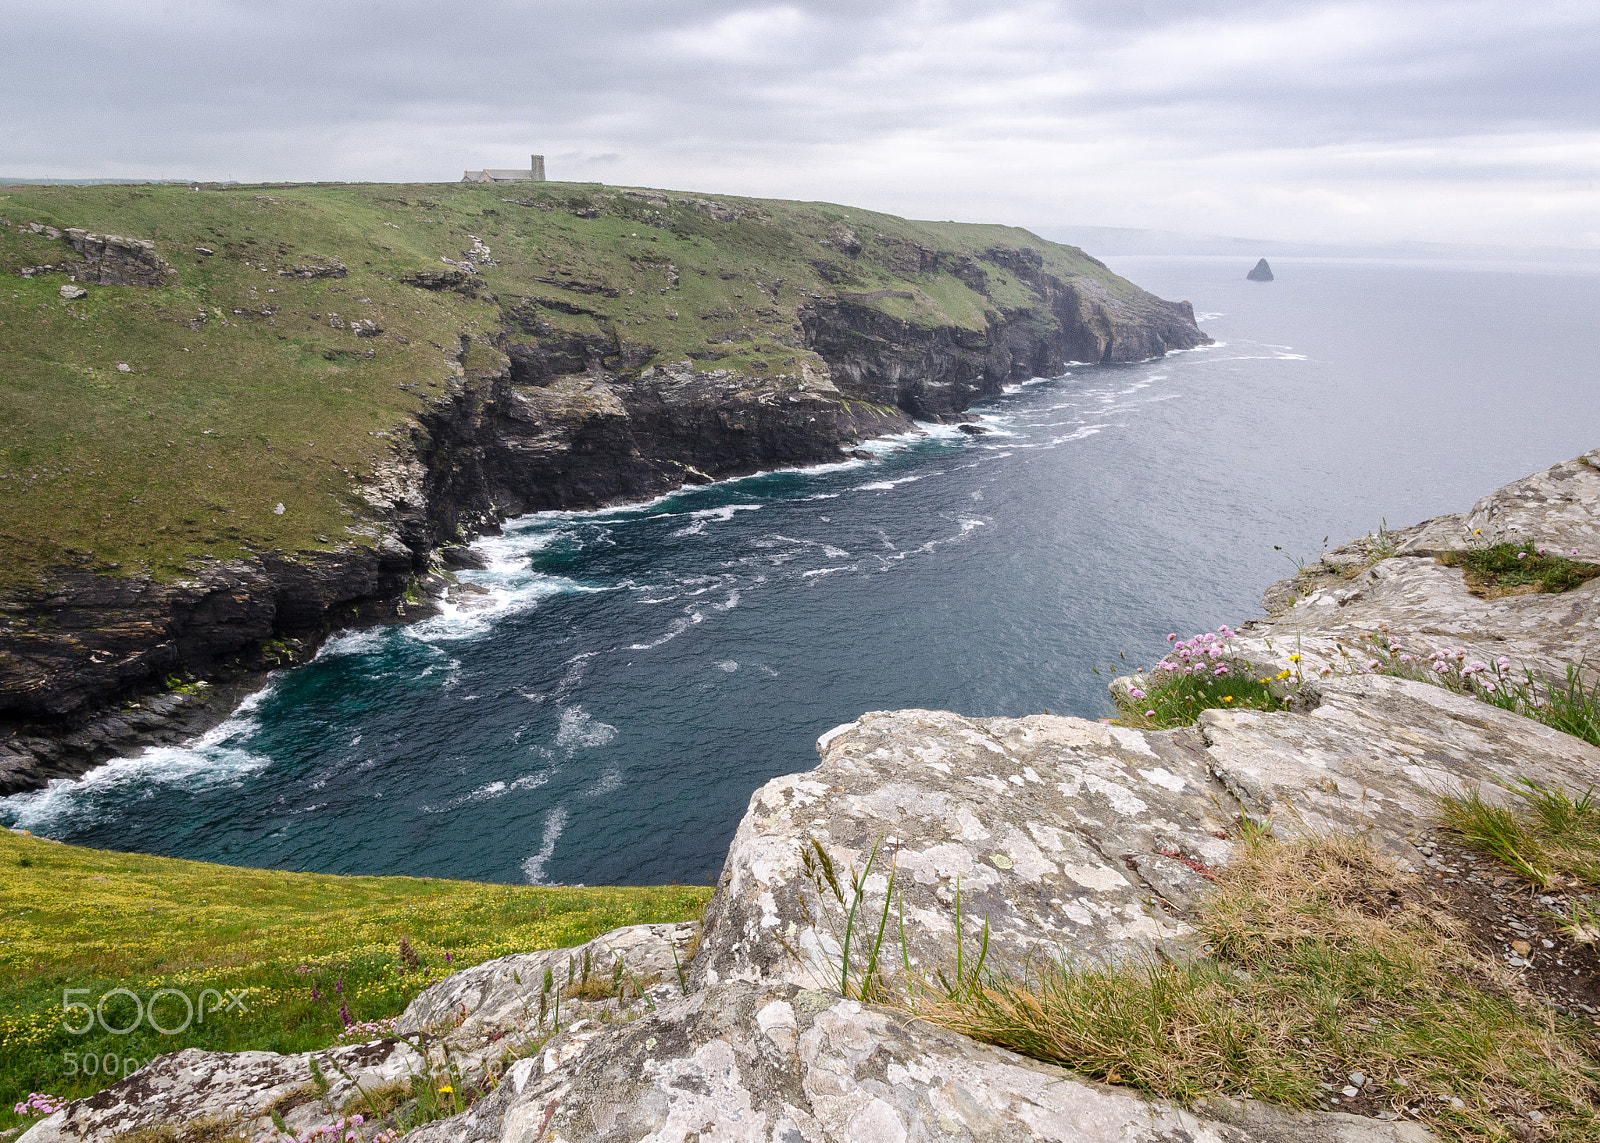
point(508, 594)
point(1079, 434)
point(1019, 386)
point(353, 643)
point(1208, 316)
point(490, 791)
point(886, 485)
point(555, 821)
point(610, 782)
point(728, 665)
point(217, 758)
point(676, 628)
point(720, 514)
point(578, 730)
point(925, 431)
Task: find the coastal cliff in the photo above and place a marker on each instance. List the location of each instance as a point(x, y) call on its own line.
point(1097, 845)
point(281, 410)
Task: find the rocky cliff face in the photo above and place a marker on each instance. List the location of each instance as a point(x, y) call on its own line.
point(555, 420)
point(929, 372)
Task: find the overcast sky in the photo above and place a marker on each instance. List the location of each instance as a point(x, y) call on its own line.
point(1344, 121)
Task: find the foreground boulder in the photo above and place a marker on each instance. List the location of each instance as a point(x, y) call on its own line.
point(774, 1063)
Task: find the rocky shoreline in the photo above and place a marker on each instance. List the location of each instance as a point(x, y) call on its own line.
point(1069, 837)
point(88, 663)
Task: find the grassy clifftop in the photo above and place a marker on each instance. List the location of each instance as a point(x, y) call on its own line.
point(292, 947)
point(276, 368)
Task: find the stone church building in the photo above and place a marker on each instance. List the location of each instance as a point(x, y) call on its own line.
point(534, 174)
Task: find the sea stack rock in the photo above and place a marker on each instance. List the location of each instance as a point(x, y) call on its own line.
point(1262, 272)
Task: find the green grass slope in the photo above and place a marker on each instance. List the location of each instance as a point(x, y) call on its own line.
point(246, 388)
point(76, 924)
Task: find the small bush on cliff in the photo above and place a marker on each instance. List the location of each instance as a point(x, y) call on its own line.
point(1331, 982)
point(1202, 673)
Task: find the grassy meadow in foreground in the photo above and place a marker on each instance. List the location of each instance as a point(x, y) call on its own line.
point(282, 952)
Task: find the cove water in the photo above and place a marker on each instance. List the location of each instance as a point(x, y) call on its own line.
point(639, 671)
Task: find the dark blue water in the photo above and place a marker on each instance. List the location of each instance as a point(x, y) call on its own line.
point(639, 672)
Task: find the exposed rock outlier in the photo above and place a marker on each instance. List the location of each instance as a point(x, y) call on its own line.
point(1261, 272)
point(104, 259)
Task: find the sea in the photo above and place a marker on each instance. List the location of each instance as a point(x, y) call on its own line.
point(631, 676)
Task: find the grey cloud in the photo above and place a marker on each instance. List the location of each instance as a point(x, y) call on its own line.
point(1143, 114)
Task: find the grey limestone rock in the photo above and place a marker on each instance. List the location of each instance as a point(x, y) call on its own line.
point(775, 1062)
point(1261, 272)
point(1415, 602)
point(1040, 822)
point(235, 1088)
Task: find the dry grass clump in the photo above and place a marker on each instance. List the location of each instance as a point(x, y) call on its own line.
point(1326, 963)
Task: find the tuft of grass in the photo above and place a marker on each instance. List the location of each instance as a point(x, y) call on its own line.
point(1547, 836)
point(1572, 706)
point(1324, 961)
point(294, 947)
point(1515, 569)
